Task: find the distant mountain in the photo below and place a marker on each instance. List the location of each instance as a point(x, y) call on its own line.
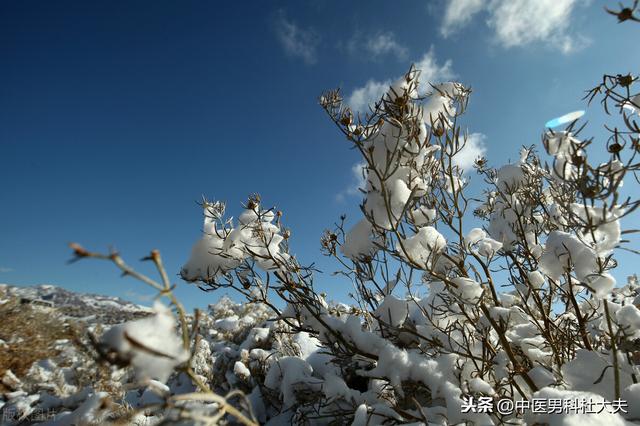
point(92, 308)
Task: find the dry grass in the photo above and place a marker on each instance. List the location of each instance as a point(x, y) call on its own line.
point(30, 333)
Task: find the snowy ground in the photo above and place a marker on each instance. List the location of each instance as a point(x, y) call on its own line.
point(238, 347)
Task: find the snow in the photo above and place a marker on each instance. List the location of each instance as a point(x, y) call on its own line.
point(628, 317)
point(565, 252)
point(359, 241)
point(227, 324)
point(256, 336)
point(224, 247)
point(510, 177)
point(631, 394)
point(589, 367)
point(477, 385)
point(536, 279)
point(151, 344)
point(422, 216)
point(566, 149)
point(481, 244)
point(601, 284)
point(240, 370)
point(467, 289)
point(285, 374)
point(571, 419)
point(361, 416)
point(86, 414)
point(311, 367)
point(602, 228)
point(423, 247)
point(392, 311)
point(542, 377)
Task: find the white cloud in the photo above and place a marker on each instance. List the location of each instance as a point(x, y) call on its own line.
point(374, 46)
point(297, 41)
point(362, 97)
point(359, 181)
point(373, 90)
point(519, 22)
point(385, 43)
point(4, 269)
point(431, 71)
point(459, 13)
point(474, 148)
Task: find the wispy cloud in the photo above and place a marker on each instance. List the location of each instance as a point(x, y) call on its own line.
point(431, 71)
point(459, 13)
point(375, 46)
point(297, 41)
point(474, 148)
point(373, 90)
point(4, 269)
point(519, 22)
point(385, 43)
point(358, 182)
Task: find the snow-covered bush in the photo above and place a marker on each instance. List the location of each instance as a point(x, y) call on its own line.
point(512, 296)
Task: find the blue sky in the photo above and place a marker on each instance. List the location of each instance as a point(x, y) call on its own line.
point(116, 117)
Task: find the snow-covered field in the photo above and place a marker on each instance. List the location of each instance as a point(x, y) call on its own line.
point(71, 385)
point(286, 377)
